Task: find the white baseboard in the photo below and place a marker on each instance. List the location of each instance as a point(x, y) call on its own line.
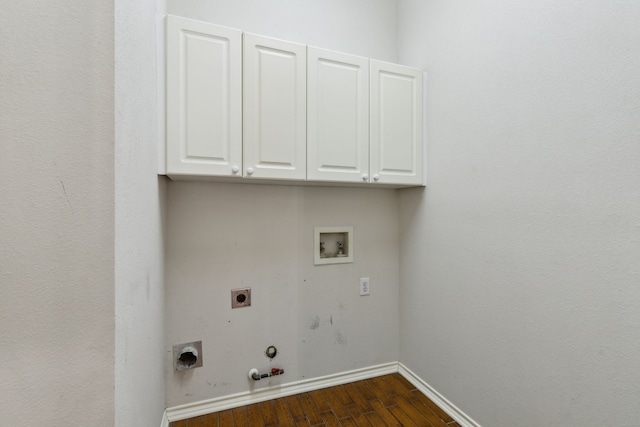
point(463, 419)
point(203, 407)
point(165, 420)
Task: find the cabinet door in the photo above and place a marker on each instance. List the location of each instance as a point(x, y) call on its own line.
point(204, 98)
point(337, 116)
point(396, 124)
point(275, 113)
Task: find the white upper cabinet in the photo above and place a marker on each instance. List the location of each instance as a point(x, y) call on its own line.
point(275, 113)
point(337, 116)
point(396, 124)
point(204, 99)
point(246, 107)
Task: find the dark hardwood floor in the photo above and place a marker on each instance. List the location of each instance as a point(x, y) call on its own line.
point(389, 400)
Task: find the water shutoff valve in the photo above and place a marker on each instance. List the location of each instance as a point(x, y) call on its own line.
point(256, 376)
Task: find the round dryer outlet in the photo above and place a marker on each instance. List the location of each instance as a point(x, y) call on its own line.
point(241, 298)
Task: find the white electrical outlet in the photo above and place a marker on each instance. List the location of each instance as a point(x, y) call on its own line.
point(365, 289)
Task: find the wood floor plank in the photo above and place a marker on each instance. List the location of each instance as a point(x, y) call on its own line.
point(435, 408)
point(342, 394)
point(364, 390)
point(375, 420)
point(293, 403)
point(310, 409)
point(428, 413)
point(282, 411)
point(379, 392)
point(210, 420)
point(403, 381)
point(404, 419)
point(303, 422)
point(348, 422)
point(386, 386)
point(225, 418)
point(240, 417)
point(358, 416)
point(330, 420)
point(336, 404)
point(398, 386)
point(320, 400)
point(412, 412)
point(195, 421)
point(269, 417)
point(358, 398)
point(180, 423)
point(384, 413)
point(255, 415)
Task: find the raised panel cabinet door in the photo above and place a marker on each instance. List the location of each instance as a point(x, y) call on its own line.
point(337, 116)
point(274, 121)
point(396, 147)
point(204, 99)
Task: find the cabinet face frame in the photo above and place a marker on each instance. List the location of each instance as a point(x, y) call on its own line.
point(337, 116)
point(275, 113)
point(204, 99)
point(396, 124)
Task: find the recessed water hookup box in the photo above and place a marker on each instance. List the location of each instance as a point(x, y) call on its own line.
point(333, 245)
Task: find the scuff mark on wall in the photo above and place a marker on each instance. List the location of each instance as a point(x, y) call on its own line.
point(148, 287)
point(315, 323)
point(66, 197)
point(340, 339)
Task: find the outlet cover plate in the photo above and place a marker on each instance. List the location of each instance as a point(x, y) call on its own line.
point(365, 288)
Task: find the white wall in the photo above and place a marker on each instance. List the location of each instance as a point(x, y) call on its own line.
point(226, 236)
point(139, 204)
point(56, 213)
point(519, 297)
point(360, 27)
